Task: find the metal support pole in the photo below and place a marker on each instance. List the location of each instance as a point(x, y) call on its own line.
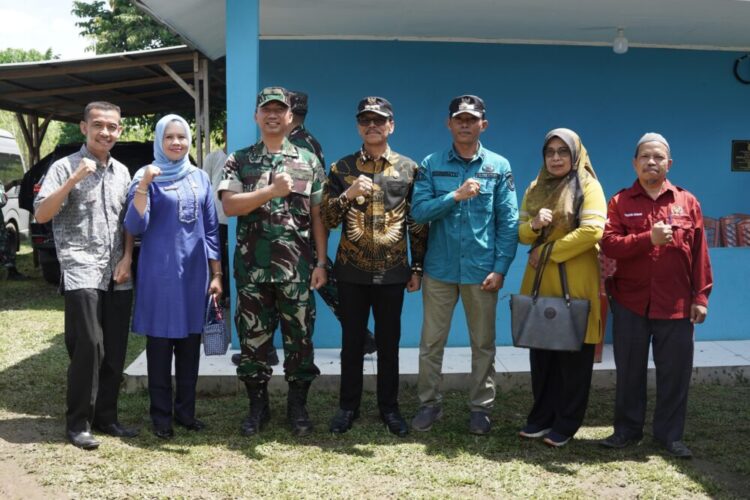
point(206, 109)
point(198, 116)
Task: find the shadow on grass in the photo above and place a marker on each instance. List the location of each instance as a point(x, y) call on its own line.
point(32, 397)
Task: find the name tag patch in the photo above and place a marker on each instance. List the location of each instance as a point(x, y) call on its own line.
point(444, 173)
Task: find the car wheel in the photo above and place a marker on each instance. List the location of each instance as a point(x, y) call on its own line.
point(13, 240)
point(50, 266)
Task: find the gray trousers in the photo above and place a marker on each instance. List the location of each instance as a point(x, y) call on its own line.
point(672, 341)
point(439, 300)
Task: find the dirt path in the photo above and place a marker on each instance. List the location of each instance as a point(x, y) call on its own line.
point(17, 484)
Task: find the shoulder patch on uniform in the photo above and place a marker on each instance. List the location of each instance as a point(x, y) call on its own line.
point(509, 181)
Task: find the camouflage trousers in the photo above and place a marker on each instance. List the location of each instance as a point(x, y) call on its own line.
point(7, 250)
point(260, 307)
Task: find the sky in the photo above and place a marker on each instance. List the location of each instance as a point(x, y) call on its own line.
point(41, 24)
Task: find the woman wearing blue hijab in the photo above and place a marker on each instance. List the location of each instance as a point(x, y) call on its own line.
point(171, 206)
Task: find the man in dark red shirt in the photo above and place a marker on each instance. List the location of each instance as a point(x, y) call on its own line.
point(660, 290)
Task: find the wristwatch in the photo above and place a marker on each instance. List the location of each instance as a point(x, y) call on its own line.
point(321, 265)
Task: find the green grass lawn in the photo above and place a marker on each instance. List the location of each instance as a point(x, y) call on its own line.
point(366, 462)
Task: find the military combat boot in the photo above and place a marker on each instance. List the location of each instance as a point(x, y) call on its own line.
point(296, 412)
point(260, 412)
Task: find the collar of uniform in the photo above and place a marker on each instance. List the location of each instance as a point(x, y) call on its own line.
point(637, 190)
point(287, 149)
point(388, 156)
point(87, 154)
point(299, 128)
point(453, 155)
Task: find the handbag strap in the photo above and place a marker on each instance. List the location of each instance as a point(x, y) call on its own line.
point(564, 283)
point(543, 259)
point(213, 306)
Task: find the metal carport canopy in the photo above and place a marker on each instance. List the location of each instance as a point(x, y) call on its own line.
point(174, 79)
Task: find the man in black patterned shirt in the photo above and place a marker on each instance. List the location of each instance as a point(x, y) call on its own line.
point(369, 194)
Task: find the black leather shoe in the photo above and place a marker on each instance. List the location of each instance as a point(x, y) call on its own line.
point(165, 433)
point(116, 430)
point(678, 449)
point(370, 345)
point(273, 357)
point(83, 440)
point(196, 425)
point(342, 421)
point(236, 359)
point(395, 423)
point(617, 441)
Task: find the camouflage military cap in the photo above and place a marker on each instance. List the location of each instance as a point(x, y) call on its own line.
point(269, 94)
point(377, 105)
point(299, 102)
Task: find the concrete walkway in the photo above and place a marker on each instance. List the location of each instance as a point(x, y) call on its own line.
point(723, 362)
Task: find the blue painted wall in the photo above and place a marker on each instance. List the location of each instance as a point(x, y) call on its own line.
point(242, 76)
point(689, 96)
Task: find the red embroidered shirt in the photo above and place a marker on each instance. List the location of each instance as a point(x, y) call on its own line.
point(660, 282)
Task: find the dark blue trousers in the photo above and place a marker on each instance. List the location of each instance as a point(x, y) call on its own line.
point(159, 352)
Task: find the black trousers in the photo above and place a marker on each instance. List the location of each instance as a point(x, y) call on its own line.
point(96, 337)
point(386, 302)
point(560, 382)
point(159, 352)
point(672, 341)
point(224, 245)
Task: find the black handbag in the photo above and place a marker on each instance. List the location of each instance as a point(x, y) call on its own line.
point(552, 323)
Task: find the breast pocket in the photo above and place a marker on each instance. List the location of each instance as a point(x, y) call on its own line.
point(445, 185)
point(396, 189)
point(299, 199)
point(84, 195)
point(636, 225)
point(683, 231)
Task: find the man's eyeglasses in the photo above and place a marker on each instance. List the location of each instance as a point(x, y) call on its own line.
point(379, 121)
point(562, 152)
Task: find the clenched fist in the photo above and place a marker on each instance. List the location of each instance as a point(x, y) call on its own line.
point(361, 186)
point(85, 168)
point(282, 185)
point(661, 233)
point(469, 189)
point(542, 219)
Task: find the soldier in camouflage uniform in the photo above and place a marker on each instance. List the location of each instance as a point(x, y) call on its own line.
point(275, 189)
point(301, 137)
point(7, 249)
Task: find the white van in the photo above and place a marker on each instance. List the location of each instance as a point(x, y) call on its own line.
point(12, 168)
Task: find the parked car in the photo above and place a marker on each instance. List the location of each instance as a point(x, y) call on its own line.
point(12, 169)
point(133, 154)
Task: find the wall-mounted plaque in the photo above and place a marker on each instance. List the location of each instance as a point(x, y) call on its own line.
point(741, 156)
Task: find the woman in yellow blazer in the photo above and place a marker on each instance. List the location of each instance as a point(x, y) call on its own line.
point(564, 204)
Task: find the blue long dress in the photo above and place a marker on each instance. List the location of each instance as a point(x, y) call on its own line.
point(179, 233)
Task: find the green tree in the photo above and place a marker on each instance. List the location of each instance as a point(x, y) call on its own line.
point(118, 26)
point(8, 118)
point(11, 55)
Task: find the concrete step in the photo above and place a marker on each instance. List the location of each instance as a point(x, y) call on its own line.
point(723, 362)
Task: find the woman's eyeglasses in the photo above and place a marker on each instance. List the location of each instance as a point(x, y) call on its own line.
point(562, 152)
